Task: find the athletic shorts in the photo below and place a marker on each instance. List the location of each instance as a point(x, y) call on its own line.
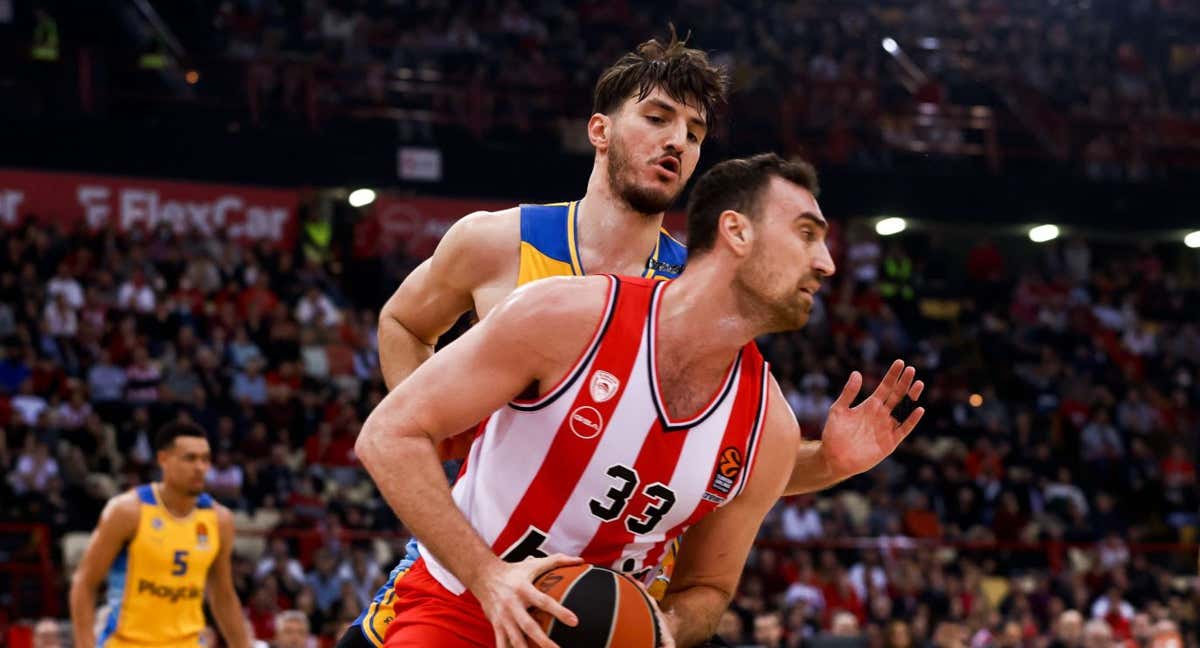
point(427, 614)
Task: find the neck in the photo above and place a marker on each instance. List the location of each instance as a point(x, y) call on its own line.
point(177, 502)
point(702, 312)
point(613, 235)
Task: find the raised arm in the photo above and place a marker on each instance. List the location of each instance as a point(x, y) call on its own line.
point(118, 523)
point(530, 340)
point(222, 597)
point(714, 551)
point(856, 439)
point(479, 249)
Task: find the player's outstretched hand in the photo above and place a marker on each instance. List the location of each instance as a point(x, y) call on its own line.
point(506, 593)
point(855, 439)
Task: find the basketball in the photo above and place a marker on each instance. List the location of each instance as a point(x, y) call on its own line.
point(612, 609)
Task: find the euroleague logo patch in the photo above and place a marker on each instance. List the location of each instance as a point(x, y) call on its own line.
point(731, 462)
point(729, 466)
point(603, 386)
point(586, 422)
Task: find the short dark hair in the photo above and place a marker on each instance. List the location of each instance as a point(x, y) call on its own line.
point(166, 435)
point(738, 184)
point(684, 73)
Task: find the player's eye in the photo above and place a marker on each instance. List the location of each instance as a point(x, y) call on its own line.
point(692, 137)
point(655, 119)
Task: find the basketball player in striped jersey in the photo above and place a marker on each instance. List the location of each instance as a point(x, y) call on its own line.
point(652, 112)
point(617, 414)
point(161, 547)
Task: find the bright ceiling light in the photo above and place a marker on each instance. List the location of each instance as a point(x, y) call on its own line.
point(1043, 233)
point(890, 46)
point(890, 226)
point(1192, 240)
point(361, 197)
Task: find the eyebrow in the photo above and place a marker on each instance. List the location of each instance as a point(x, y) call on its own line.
point(659, 103)
point(818, 220)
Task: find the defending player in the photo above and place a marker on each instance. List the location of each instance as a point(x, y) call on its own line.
point(161, 546)
point(617, 414)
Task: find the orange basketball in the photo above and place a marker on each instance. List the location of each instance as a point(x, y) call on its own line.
point(612, 609)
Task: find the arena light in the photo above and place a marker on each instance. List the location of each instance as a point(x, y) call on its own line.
point(976, 400)
point(361, 197)
point(192, 77)
point(1192, 240)
point(890, 226)
point(890, 46)
point(1043, 233)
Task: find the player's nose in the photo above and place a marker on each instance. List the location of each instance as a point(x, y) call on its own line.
point(823, 262)
point(676, 137)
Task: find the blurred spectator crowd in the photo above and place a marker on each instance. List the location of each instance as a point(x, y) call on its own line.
point(1061, 431)
point(1112, 85)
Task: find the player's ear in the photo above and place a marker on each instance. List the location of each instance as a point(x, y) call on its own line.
point(599, 129)
point(735, 228)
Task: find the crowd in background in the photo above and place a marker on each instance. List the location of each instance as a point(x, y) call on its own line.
point(1063, 410)
point(1109, 85)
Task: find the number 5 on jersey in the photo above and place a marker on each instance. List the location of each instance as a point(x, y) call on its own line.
point(180, 563)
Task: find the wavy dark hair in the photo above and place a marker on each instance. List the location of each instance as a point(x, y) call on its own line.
point(684, 73)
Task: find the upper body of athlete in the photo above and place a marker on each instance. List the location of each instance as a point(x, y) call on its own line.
point(647, 131)
point(161, 547)
point(758, 256)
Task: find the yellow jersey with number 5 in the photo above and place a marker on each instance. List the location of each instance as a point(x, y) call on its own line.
point(156, 584)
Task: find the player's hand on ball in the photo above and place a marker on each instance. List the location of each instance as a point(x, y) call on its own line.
point(856, 439)
point(506, 593)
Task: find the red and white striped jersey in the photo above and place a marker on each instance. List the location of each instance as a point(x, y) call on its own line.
point(596, 468)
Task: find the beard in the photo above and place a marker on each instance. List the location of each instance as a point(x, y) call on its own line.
point(776, 310)
point(644, 200)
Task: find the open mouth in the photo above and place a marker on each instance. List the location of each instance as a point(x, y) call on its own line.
point(669, 164)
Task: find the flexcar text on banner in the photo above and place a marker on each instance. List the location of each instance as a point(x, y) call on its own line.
point(98, 202)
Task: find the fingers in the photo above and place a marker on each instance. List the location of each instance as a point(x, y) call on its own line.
point(900, 389)
point(909, 423)
point(850, 391)
point(532, 630)
point(917, 389)
point(884, 390)
point(512, 637)
point(554, 608)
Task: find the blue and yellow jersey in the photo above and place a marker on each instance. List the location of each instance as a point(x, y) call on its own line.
point(156, 584)
point(549, 248)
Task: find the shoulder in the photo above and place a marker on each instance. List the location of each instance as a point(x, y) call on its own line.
point(479, 244)
point(555, 311)
point(483, 231)
point(224, 517)
point(122, 511)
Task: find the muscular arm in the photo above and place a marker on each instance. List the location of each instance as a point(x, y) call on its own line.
point(117, 525)
point(532, 338)
point(222, 598)
point(713, 552)
point(478, 249)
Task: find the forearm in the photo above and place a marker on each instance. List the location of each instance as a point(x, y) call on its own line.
point(408, 473)
point(227, 610)
point(811, 472)
point(400, 352)
point(692, 614)
point(83, 615)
